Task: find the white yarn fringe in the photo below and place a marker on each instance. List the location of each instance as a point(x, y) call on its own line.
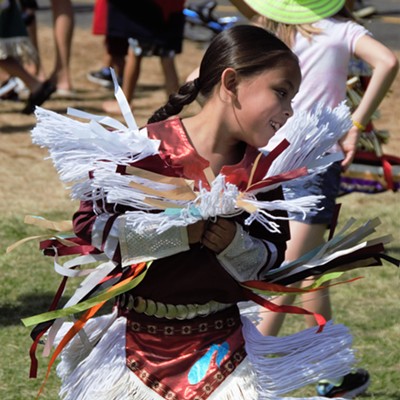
point(284, 364)
point(101, 373)
point(240, 385)
point(81, 149)
point(311, 136)
point(82, 344)
point(274, 366)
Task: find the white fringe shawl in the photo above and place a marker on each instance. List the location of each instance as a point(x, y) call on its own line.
point(82, 150)
point(311, 136)
point(274, 366)
point(77, 148)
point(284, 364)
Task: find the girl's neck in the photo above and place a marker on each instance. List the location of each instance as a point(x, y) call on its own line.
point(213, 141)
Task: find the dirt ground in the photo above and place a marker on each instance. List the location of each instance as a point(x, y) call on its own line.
point(29, 183)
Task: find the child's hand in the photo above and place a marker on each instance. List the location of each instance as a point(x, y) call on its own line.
point(195, 231)
point(349, 146)
point(218, 235)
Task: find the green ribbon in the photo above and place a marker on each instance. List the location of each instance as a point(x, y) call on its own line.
point(84, 305)
point(321, 280)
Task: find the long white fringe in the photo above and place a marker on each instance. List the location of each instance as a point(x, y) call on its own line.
point(274, 366)
point(81, 149)
point(311, 136)
point(102, 374)
point(284, 364)
point(240, 385)
point(78, 148)
point(82, 344)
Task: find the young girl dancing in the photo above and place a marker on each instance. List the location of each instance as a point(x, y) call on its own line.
point(187, 220)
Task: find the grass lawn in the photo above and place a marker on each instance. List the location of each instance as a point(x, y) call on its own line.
point(368, 306)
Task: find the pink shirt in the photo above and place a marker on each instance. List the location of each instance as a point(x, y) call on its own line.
point(324, 62)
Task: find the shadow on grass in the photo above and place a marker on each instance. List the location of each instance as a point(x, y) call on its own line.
point(28, 305)
point(10, 129)
point(32, 304)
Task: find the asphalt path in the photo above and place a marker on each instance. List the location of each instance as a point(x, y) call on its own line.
point(384, 25)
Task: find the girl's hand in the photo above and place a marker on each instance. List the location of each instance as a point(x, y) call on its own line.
point(218, 235)
point(349, 146)
point(195, 231)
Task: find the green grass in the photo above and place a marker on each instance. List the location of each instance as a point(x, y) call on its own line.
point(370, 306)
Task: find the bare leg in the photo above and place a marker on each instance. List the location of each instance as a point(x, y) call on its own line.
point(63, 25)
point(304, 238)
point(14, 68)
point(35, 68)
point(118, 63)
point(129, 81)
point(131, 74)
point(170, 74)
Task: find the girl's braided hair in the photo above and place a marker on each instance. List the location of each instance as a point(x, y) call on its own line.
point(250, 50)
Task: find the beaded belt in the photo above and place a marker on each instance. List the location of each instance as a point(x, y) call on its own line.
point(157, 309)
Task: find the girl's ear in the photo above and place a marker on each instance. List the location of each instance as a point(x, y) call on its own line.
point(229, 83)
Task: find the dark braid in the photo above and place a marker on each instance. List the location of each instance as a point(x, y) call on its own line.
point(187, 93)
point(248, 49)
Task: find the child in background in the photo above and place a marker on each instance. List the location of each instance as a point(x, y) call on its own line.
point(15, 49)
point(154, 29)
point(112, 58)
point(323, 34)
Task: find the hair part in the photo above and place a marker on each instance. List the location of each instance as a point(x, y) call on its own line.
point(248, 49)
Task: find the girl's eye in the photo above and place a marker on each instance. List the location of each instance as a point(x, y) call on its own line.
point(282, 93)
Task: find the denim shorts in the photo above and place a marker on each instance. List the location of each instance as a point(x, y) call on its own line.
point(326, 184)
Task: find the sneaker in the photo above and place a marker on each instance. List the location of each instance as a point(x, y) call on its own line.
point(351, 385)
point(8, 87)
point(102, 77)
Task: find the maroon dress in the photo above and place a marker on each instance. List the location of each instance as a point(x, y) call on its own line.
point(186, 357)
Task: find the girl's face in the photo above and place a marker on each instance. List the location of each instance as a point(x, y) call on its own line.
point(263, 103)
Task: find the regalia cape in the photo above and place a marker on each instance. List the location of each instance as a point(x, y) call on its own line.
point(97, 161)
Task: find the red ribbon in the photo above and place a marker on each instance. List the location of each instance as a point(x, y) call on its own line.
point(321, 321)
point(32, 351)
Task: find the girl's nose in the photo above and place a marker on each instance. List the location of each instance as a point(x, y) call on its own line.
point(288, 111)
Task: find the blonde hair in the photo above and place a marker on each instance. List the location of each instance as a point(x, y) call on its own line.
point(286, 32)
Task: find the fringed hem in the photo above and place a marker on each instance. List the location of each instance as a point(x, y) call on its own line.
point(240, 385)
point(96, 368)
point(285, 364)
point(20, 48)
point(103, 374)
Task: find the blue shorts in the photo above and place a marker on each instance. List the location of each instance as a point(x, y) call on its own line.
point(326, 184)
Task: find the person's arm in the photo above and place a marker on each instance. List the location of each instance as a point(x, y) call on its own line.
point(113, 231)
point(384, 66)
point(247, 254)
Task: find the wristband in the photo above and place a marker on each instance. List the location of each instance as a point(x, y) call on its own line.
point(358, 125)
